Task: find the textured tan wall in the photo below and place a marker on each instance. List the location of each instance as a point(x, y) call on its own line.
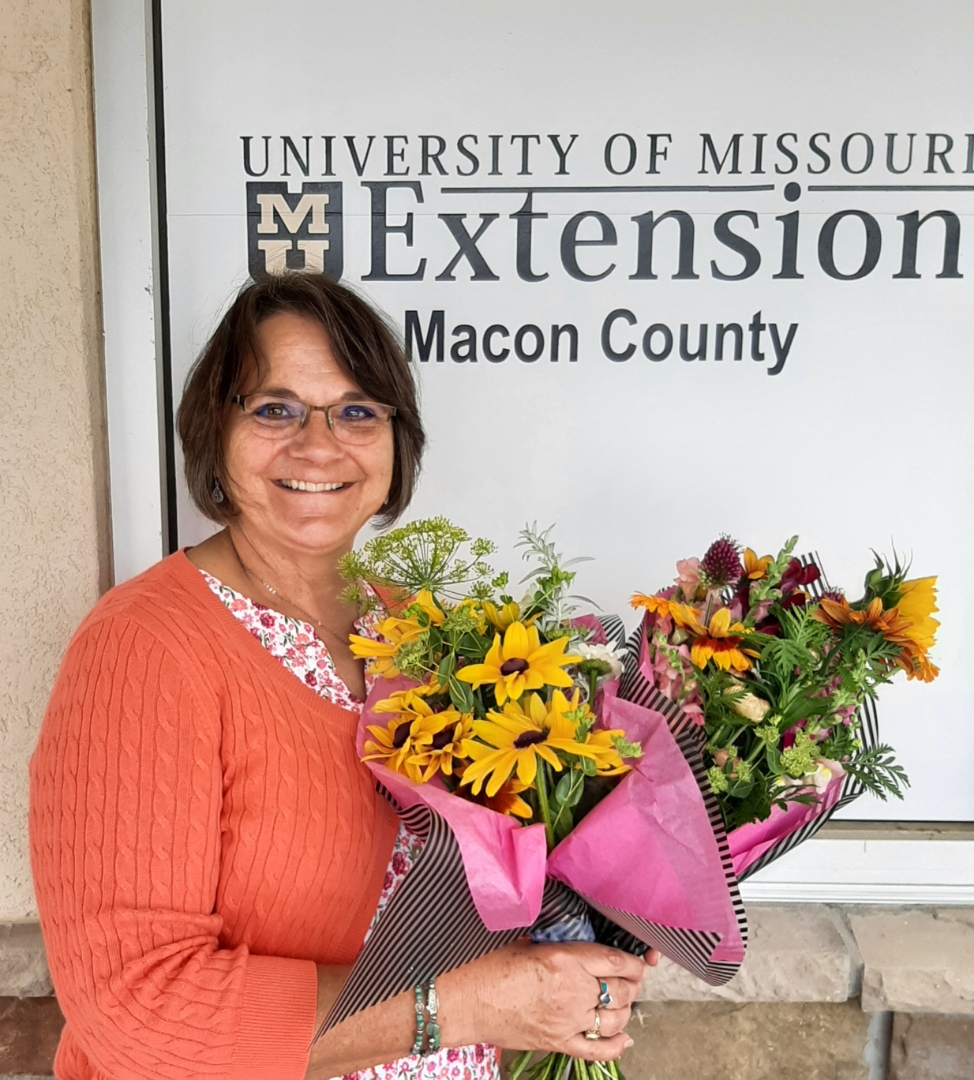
point(54, 548)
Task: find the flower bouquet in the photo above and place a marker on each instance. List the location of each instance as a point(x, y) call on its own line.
point(779, 674)
point(494, 726)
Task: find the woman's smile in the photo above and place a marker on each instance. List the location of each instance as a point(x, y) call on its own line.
point(309, 486)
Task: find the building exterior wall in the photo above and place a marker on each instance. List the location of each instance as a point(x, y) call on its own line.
point(53, 488)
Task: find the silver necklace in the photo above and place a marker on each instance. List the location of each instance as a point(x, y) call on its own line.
point(343, 638)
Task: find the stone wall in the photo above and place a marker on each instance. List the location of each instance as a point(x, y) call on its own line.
point(53, 487)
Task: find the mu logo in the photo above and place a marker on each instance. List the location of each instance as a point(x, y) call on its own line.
point(299, 231)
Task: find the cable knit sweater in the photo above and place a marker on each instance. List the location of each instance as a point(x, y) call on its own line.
point(202, 833)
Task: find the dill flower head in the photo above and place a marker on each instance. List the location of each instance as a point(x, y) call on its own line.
point(799, 758)
point(718, 780)
point(721, 565)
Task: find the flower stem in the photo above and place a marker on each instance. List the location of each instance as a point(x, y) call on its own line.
point(542, 789)
point(592, 682)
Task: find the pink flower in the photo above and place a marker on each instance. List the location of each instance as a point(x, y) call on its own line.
point(311, 678)
point(688, 571)
point(238, 605)
point(399, 863)
point(302, 639)
point(693, 707)
point(266, 620)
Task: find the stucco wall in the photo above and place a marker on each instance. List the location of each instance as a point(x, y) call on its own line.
point(53, 492)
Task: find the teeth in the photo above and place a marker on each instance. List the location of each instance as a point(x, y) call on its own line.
point(302, 485)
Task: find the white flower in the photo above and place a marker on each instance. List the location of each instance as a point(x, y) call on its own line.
point(608, 655)
point(752, 707)
point(825, 772)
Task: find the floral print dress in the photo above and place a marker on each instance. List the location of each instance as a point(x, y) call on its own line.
point(306, 656)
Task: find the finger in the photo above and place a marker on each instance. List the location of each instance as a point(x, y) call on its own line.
point(622, 992)
point(611, 1021)
point(603, 962)
point(652, 957)
point(597, 1049)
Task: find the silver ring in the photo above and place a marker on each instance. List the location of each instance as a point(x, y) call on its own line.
point(593, 1032)
point(605, 998)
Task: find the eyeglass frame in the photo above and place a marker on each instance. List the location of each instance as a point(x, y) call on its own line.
point(240, 399)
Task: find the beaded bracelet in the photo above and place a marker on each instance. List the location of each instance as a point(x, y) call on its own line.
point(433, 1028)
point(426, 1032)
point(420, 1019)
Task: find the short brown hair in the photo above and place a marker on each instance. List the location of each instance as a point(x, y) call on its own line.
point(364, 342)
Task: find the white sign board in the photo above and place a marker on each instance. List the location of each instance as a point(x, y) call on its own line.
point(667, 271)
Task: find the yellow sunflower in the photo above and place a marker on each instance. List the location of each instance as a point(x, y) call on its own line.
point(916, 604)
point(520, 662)
point(516, 738)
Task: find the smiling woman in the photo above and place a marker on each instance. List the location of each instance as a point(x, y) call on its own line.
point(209, 852)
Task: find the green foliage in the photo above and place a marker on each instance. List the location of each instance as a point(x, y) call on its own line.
point(550, 601)
point(878, 773)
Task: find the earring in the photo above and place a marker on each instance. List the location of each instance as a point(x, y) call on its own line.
point(217, 493)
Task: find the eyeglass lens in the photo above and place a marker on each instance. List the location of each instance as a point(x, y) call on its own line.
point(354, 421)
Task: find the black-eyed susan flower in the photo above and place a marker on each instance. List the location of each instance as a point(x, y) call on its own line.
point(382, 654)
point(517, 737)
point(608, 760)
point(394, 746)
point(507, 800)
point(570, 727)
point(440, 740)
point(520, 662)
point(501, 617)
point(403, 744)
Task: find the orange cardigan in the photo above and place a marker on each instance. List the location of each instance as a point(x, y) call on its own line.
point(201, 834)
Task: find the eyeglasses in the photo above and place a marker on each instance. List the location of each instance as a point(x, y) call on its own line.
point(276, 417)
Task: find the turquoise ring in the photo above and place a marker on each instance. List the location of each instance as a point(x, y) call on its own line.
point(605, 998)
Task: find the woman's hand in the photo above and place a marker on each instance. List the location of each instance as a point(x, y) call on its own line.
point(542, 997)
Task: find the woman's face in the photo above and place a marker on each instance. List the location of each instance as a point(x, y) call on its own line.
point(299, 362)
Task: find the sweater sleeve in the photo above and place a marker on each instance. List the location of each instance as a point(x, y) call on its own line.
point(126, 794)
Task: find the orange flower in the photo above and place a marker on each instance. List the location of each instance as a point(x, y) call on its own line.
point(911, 635)
point(756, 568)
point(655, 605)
point(719, 641)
